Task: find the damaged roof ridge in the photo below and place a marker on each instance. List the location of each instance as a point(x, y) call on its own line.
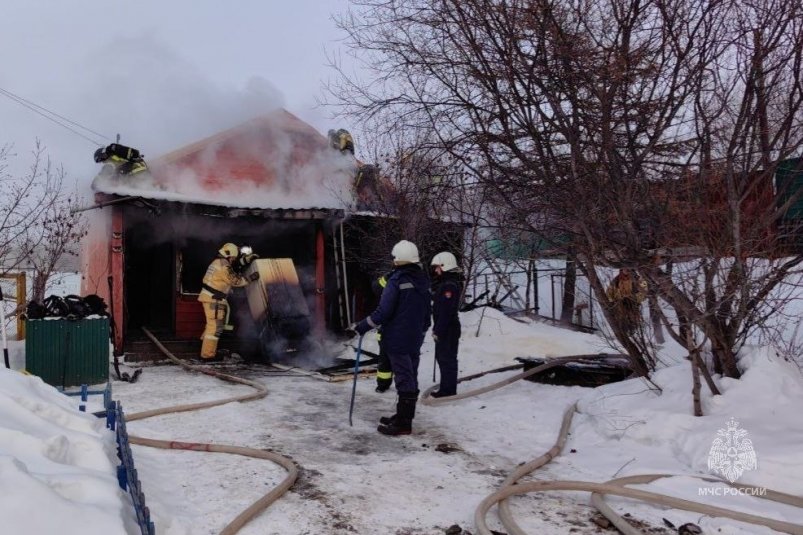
point(280, 118)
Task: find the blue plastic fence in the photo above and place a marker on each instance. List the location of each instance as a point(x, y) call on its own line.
point(126, 473)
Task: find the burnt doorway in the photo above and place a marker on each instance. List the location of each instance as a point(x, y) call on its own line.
point(149, 274)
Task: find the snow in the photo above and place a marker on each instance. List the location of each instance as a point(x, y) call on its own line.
point(355, 480)
point(57, 465)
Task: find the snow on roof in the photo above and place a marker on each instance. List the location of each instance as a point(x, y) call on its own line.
point(272, 161)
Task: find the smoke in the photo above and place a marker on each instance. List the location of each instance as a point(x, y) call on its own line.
point(142, 89)
point(265, 163)
point(160, 103)
point(146, 91)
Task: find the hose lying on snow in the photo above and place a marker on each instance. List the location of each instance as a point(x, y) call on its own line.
point(261, 504)
point(618, 487)
point(426, 399)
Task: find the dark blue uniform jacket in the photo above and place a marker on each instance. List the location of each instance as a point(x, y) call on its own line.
point(446, 296)
point(404, 310)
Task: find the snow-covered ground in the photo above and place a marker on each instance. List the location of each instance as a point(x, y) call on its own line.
point(355, 480)
point(57, 465)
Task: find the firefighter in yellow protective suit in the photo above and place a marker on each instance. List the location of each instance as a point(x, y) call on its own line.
point(626, 293)
point(217, 283)
point(121, 160)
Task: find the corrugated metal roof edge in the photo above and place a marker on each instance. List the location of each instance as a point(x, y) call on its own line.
point(216, 210)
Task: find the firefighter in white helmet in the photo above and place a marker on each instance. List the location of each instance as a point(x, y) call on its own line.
point(447, 291)
point(217, 283)
point(404, 316)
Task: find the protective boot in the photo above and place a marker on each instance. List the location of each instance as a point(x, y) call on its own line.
point(402, 423)
point(387, 420)
point(209, 347)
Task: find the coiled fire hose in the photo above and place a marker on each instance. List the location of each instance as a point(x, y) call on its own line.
point(262, 503)
point(617, 487)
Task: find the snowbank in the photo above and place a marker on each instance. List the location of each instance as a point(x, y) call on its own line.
point(57, 465)
point(354, 480)
point(628, 429)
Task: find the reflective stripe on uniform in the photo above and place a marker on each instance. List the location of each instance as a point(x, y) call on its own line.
point(371, 322)
point(383, 281)
point(406, 286)
point(384, 375)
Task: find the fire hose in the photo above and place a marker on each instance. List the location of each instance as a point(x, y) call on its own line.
point(262, 503)
point(616, 487)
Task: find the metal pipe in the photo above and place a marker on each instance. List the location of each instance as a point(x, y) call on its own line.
point(104, 203)
point(3, 327)
point(345, 274)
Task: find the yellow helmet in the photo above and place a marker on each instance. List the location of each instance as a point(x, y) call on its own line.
point(229, 250)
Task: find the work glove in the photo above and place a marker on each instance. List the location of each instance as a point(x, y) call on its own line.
point(247, 259)
point(351, 330)
point(362, 327)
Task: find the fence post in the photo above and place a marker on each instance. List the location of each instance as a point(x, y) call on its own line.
point(535, 288)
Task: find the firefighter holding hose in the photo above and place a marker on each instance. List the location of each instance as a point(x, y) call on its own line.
point(218, 281)
point(404, 316)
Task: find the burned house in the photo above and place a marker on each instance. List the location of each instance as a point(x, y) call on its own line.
point(274, 184)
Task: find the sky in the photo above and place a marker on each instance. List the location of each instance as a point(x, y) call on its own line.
point(160, 74)
point(354, 480)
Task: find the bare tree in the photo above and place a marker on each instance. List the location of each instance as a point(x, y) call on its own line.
point(36, 227)
point(407, 193)
point(586, 119)
point(54, 236)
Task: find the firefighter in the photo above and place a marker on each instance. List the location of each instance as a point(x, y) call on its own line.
point(447, 290)
point(626, 293)
point(341, 140)
point(216, 285)
point(404, 315)
point(120, 159)
point(244, 259)
point(384, 372)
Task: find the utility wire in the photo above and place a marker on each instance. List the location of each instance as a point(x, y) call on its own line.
point(49, 115)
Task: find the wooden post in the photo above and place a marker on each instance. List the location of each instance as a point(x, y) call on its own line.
point(22, 300)
point(320, 281)
point(695, 374)
point(117, 255)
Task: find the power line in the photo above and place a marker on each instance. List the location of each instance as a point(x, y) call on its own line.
point(49, 115)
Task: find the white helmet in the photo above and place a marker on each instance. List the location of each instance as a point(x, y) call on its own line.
point(405, 252)
point(445, 260)
point(228, 250)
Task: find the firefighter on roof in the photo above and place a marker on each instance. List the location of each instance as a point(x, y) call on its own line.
point(218, 281)
point(121, 160)
point(341, 140)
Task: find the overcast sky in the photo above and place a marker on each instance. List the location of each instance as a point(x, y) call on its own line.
point(160, 73)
